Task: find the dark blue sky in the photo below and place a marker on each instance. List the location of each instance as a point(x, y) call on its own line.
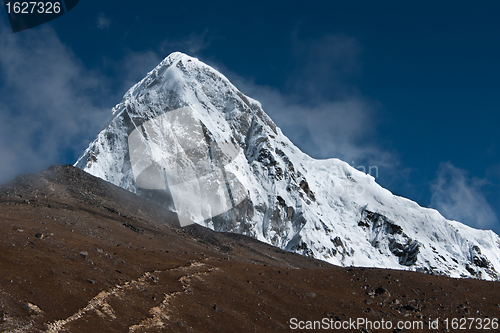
point(411, 88)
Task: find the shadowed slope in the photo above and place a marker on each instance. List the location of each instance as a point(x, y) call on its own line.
point(79, 255)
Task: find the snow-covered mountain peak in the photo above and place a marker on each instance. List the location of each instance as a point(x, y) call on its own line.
point(184, 75)
point(187, 138)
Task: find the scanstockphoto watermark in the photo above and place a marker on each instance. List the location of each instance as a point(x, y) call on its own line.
point(371, 170)
point(456, 324)
point(356, 324)
point(353, 186)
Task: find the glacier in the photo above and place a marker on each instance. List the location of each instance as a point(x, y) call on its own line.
point(324, 209)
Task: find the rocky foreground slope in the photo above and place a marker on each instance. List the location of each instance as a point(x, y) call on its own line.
point(188, 139)
point(78, 254)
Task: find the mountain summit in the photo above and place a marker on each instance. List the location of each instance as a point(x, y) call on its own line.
point(188, 139)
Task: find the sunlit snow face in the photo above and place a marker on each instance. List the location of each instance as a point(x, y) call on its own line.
point(172, 152)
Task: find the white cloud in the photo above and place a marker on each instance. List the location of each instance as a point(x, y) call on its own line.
point(49, 102)
point(51, 106)
point(459, 197)
point(103, 22)
point(319, 110)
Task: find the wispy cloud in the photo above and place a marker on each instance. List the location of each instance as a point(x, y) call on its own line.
point(51, 106)
point(461, 198)
point(325, 66)
point(103, 22)
point(134, 67)
point(49, 102)
point(343, 129)
point(193, 44)
point(319, 110)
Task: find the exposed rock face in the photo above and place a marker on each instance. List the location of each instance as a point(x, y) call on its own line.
point(384, 233)
point(271, 190)
point(480, 265)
